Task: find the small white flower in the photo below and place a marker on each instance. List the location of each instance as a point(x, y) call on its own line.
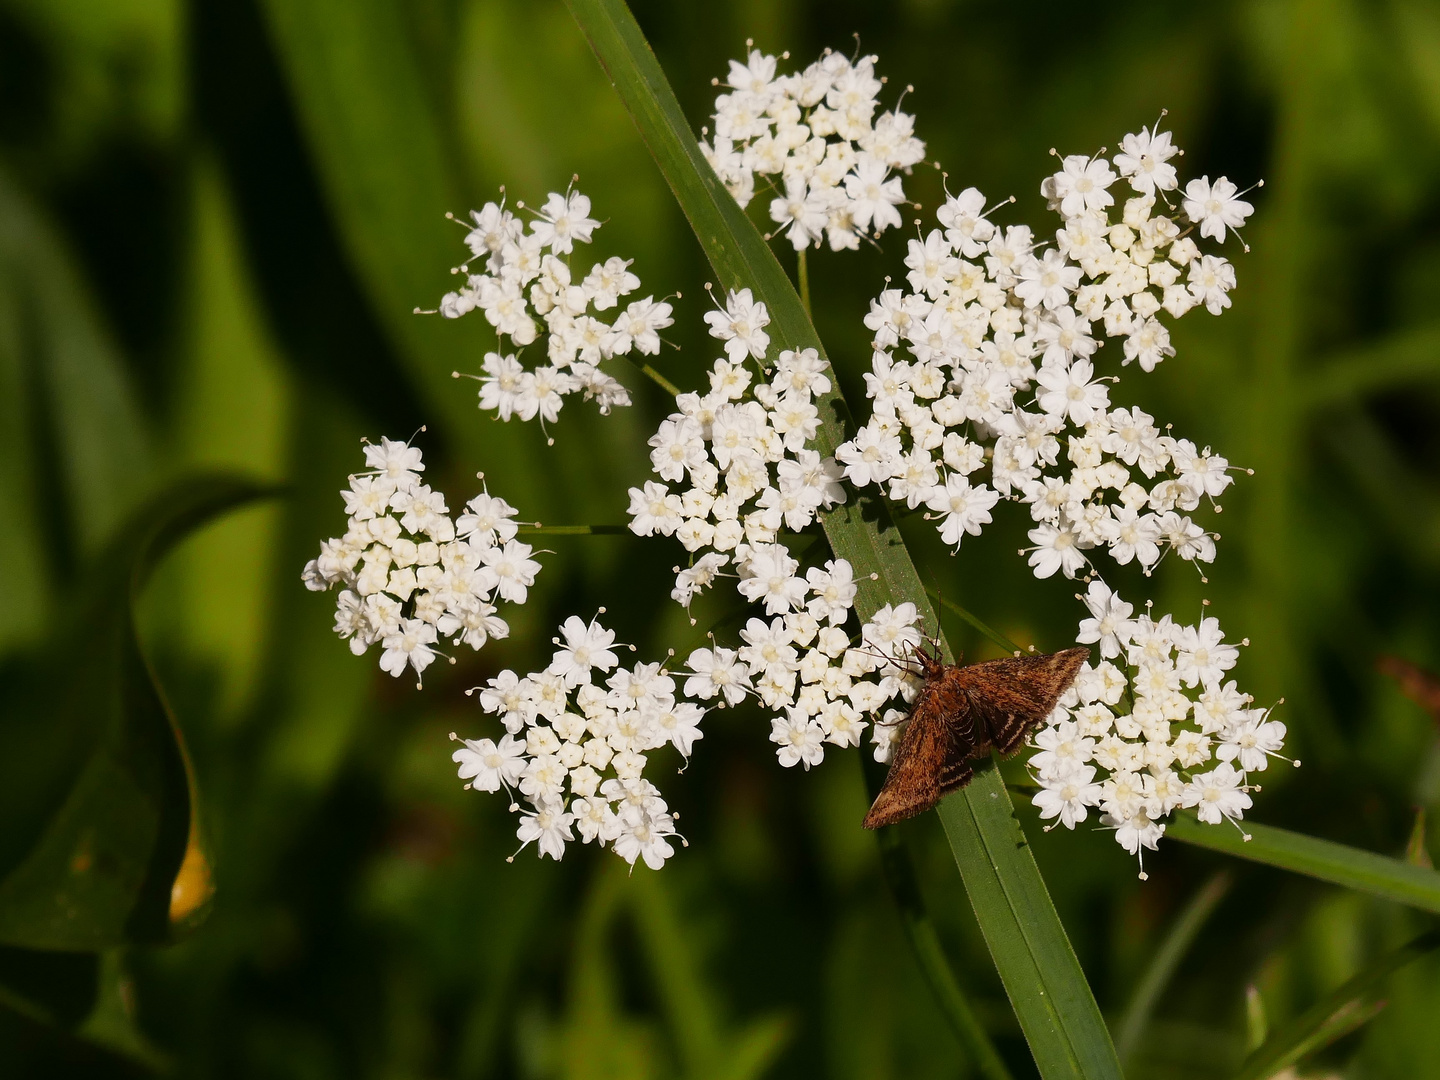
point(833, 590)
point(741, 325)
point(1215, 207)
point(398, 462)
point(769, 576)
point(489, 766)
point(717, 672)
point(564, 220)
point(698, 577)
point(1080, 185)
point(586, 648)
point(549, 827)
point(1251, 740)
point(645, 836)
point(1072, 392)
point(1057, 549)
point(1144, 161)
point(1068, 796)
point(1107, 622)
point(801, 741)
point(804, 211)
point(963, 508)
point(1217, 795)
point(510, 567)
point(1210, 280)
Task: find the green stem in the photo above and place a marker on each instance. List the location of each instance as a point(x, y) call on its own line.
point(1166, 959)
point(899, 872)
point(651, 374)
point(994, 635)
point(660, 380)
point(802, 275)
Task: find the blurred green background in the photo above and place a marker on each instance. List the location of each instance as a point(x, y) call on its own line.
point(215, 221)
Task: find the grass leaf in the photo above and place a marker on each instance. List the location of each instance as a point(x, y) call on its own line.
point(899, 872)
point(1364, 871)
point(1166, 959)
point(1341, 1012)
point(1052, 1001)
point(96, 787)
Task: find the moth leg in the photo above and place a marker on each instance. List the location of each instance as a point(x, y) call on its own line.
point(898, 661)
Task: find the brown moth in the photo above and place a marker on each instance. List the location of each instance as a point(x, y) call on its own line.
point(963, 713)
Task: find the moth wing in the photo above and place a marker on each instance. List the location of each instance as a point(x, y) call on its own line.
point(1011, 696)
point(929, 763)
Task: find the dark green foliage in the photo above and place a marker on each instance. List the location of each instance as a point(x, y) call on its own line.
point(215, 221)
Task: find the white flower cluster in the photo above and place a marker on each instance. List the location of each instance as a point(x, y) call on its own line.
point(814, 132)
point(409, 573)
point(575, 750)
point(1002, 336)
point(1154, 725)
point(800, 665)
point(738, 458)
point(528, 277)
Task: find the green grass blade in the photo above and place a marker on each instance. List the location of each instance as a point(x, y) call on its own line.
point(1416, 853)
point(706, 1049)
point(1412, 356)
point(899, 872)
point(380, 155)
point(96, 785)
point(756, 1047)
point(356, 78)
point(984, 628)
point(1166, 959)
point(1257, 1023)
point(1042, 976)
point(681, 987)
point(1338, 1014)
point(1364, 871)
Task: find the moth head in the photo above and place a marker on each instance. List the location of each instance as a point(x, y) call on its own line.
point(931, 661)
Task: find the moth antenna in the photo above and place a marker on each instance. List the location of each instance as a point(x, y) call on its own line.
point(871, 650)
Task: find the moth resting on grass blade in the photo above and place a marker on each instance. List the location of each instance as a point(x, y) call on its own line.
point(961, 714)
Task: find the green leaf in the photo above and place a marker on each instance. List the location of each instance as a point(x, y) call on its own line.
point(78, 452)
point(1411, 356)
point(899, 872)
point(1161, 970)
point(706, 1050)
point(1257, 1023)
point(1416, 853)
point(1341, 1012)
point(96, 788)
point(68, 1005)
point(1041, 974)
point(381, 156)
point(1364, 871)
point(681, 989)
point(599, 1040)
point(376, 131)
point(58, 988)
